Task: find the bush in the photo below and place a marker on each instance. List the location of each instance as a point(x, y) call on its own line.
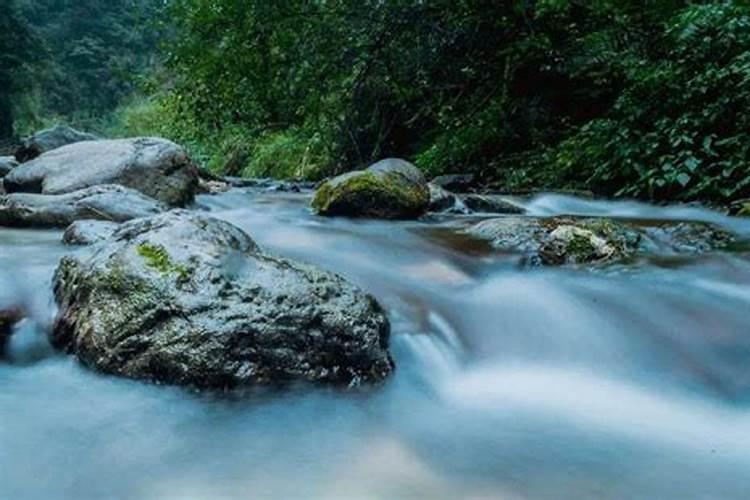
point(680, 129)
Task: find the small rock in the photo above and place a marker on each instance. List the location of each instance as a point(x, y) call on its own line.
point(212, 187)
point(490, 203)
point(47, 140)
point(89, 232)
point(440, 199)
point(458, 183)
point(568, 244)
point(108, 202)
point(9, 316)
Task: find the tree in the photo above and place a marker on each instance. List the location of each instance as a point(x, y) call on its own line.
point(16, 47)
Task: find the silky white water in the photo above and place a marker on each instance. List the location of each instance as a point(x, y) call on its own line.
point(624, 382)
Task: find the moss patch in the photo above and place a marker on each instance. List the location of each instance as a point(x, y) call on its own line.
point(157, 257)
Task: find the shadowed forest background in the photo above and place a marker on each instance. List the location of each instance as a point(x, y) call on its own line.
point(643, 99)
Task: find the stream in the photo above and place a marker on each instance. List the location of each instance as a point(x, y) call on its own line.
point(629, 381)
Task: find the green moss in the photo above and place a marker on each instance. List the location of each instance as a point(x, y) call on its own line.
point(369, 194)
point(580, 248)
point(157, 257)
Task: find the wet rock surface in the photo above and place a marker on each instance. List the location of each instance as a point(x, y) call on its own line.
point(156, 167)
point(9, 316)
point(89, 232)
point(567, 240)
point(7, 163)
point(108, 202)
point(389, 189)
point(50, 139)
point(491, 203)
point(182, 298)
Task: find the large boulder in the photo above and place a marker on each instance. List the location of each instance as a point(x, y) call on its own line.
point(7, 163)
point(389, 189)
point(156, 167)
point(49, 139)
point(108, 202)
point(568, 240)
point(182, 298)
point(88, 232)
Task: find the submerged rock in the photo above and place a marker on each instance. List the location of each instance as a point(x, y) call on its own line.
point(567, 240)
point(108, 202)
point(389, 189)
point(89, 232)
point(47, 140)
point(7, 163)
point(9, 316)
point(182, 298)
point(156, 167)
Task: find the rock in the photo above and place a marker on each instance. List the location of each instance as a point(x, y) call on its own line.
point(156, 167)
point(440, 199)
point(458, 183)
point(512, 234)
point(7, 163)
point(9, 316)
point(491, 203)
point(206, 186)
point(89, 232)
point(389, 189)
point(182, 298)
point(243, 182)
point(108, 202)
point(47, 140)
point(685, 238)
point(566, 240)
point(569, 244)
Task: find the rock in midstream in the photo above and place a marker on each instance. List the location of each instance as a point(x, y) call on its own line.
point(183, 298)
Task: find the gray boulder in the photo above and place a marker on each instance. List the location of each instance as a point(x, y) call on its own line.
point(156, 167)
point(108, 202)
point(89, 232)
point(182, 298)
point(49, 139)
point(7, 163)
point(389, 189)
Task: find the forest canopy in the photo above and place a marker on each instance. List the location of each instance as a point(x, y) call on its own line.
point(643, 98)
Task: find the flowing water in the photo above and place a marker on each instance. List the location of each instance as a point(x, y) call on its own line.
point(626, 382)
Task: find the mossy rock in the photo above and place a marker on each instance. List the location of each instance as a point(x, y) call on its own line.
point(378, 192)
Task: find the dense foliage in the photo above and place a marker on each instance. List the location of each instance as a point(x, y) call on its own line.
point(641, 98)
point(16, 47)
point(88, 57)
